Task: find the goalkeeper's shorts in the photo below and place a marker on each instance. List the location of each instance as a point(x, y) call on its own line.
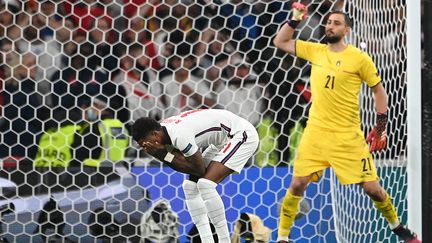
point(346, 152)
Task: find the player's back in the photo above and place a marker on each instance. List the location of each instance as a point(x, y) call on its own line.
point(207, 126)
point(201, 120)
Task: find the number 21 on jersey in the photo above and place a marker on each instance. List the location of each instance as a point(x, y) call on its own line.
point(330, 82)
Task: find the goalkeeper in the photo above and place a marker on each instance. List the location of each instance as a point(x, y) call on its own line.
point(333, 136)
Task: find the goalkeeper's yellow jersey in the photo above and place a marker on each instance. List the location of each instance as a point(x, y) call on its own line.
point(336, 79)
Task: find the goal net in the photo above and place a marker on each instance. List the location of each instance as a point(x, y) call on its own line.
point(380, 28)
point(68, 64)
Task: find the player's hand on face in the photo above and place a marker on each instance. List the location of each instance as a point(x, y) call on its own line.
point(299, 11)
point(377, 141)
point(152, 147)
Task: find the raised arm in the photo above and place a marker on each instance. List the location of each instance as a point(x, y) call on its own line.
point(284, 38)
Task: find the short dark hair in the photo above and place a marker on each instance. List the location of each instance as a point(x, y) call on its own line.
point(348, 20)
point(143, 127)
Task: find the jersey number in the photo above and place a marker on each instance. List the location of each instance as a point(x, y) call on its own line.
point(330, 82)
point(366, 164)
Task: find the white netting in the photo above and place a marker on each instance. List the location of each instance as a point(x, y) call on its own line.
point(134, 58)
point(380, 28)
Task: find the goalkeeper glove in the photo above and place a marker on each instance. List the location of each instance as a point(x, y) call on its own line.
point(299, 14)
point(377, 138)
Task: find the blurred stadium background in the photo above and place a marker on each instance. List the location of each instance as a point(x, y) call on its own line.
point(133, 58)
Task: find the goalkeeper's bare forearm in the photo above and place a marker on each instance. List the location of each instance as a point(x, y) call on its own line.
point(377, 138)
point(284, 39)
point(380, 98)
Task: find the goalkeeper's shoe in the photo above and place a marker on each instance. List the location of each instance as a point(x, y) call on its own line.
point(406, 234)
point(284, 239)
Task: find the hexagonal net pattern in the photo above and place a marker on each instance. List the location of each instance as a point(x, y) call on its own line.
point(75, 75)
point(380, 29)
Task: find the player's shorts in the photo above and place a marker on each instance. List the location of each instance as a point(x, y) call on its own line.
point(237, 150)
point(346, 152)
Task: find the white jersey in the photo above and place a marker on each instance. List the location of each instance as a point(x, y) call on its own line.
point(196, 129)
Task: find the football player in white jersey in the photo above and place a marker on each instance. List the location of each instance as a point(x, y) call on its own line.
point(228, 142)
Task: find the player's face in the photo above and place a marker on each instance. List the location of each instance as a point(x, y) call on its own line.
point(336, 28)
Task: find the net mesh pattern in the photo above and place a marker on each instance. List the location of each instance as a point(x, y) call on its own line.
point(380, 29)
point(65, 62)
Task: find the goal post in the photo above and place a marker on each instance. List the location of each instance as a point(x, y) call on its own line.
point(414, 116)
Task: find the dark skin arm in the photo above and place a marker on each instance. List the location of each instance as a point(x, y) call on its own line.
point(193, 165)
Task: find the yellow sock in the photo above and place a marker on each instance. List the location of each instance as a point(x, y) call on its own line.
point(288, 212)
point(388, 211)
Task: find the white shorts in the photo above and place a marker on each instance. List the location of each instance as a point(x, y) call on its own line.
point(236, 152)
